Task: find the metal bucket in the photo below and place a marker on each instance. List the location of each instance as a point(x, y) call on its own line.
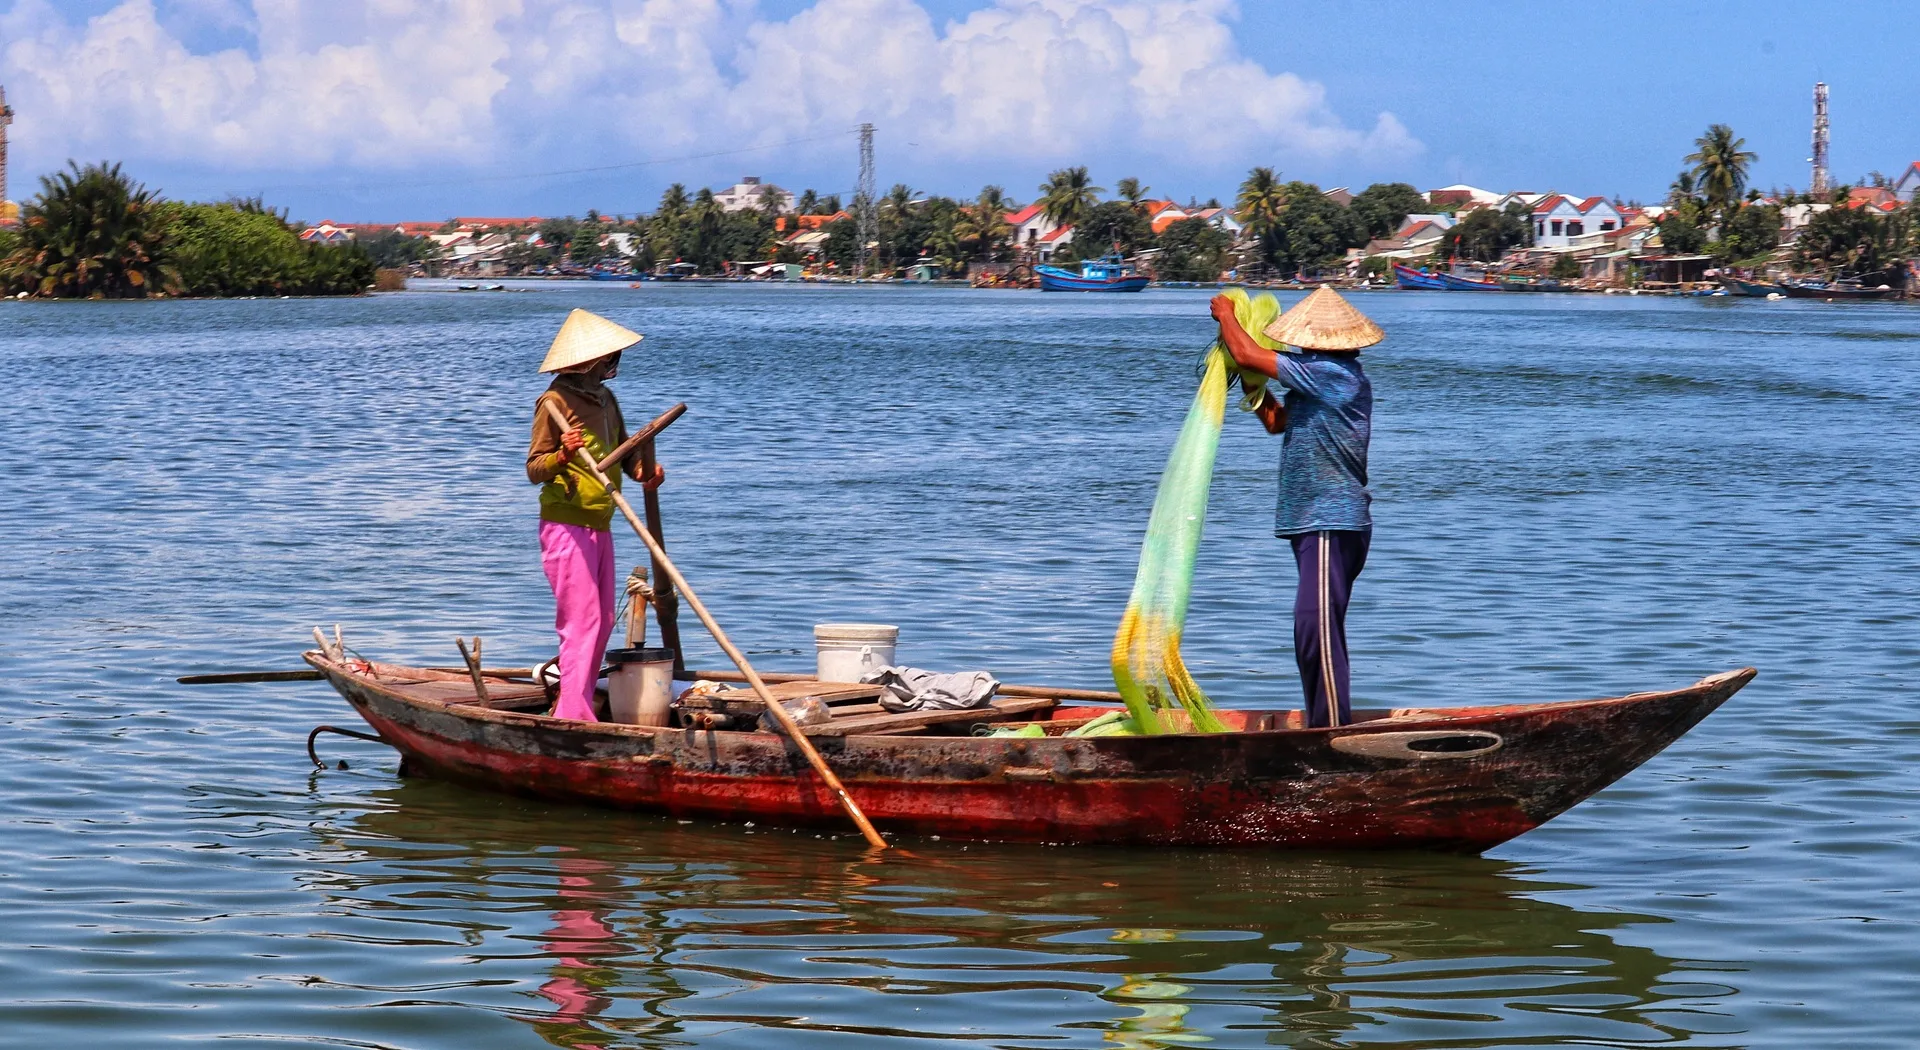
point(639, 686)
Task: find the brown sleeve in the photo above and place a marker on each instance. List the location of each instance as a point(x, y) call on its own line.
point(543, 460)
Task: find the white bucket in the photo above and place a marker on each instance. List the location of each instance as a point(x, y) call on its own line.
point(640, 686)
point(848, 650)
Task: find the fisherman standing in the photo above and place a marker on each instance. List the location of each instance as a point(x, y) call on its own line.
point(1327, 414)
point(576, 511)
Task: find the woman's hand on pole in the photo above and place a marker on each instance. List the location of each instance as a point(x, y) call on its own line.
point(659, 475)
point(571, 440)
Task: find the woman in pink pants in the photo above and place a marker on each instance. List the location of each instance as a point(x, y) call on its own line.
point(576, 511)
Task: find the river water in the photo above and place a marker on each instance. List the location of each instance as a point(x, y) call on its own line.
point(1575, 496)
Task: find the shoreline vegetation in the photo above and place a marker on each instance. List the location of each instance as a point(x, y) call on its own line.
point(93, 232)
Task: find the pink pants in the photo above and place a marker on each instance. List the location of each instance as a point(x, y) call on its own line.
point(579, 564)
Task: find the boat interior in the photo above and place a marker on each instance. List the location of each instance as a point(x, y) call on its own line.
point(850, 709)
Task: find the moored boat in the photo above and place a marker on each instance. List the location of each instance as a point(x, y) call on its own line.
point(1833, 290)
point(1534, 284)
point(1408, 277)
point(1109, 273)
point(1755, 289)
point(1456, 283)
point(1461, 779)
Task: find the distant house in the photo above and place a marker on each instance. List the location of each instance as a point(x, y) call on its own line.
point(1878, 198)
point(1221, 219)
point(1439, 220)
point(749, 193)
point(1163, 214)
point(1339, 195)
point(1558, 220)
point(480, 223)
point(1033, 231)
point(1461, 194)
point(327, 232)
point(1415, 238)
point(805, 223)
point(1907, 186)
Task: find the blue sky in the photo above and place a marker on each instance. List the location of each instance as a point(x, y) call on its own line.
point(375, 110)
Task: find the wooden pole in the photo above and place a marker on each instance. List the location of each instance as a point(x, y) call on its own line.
point(780, 713)
point(473, 668)
point(666, 607)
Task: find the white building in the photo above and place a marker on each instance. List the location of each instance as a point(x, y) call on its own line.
point(1559, 219)
point(750, 192)
point(1034, 232)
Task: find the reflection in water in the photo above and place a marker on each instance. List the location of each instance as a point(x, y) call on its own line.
point(581, 941)
point(650, 932)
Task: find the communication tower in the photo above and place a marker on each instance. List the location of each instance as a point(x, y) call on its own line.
point(1820, 187)
point(866, 222)
point(6, 118)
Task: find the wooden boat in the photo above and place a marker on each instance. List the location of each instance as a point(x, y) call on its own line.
point(1456, 283)
point(1109, 273)
point(1535, 284)
point(1462, 779)
point(1833, 290)
point(1755, 289)
point(1408, 277)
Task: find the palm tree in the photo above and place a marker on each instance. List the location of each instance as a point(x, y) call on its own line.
point(673, 203)
point(705, 213)
point(771, 201)
point(897, 204)
point(1132, 192)
point(1068, 195)
point(808, 202)
point(1720, 166)
point(1261, 203)
point(985, 222)
point(829, 205)
point(92, 233)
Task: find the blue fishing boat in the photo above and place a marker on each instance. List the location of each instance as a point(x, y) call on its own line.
point(1109, 273)
point(1454, 283)
point(1408, 277)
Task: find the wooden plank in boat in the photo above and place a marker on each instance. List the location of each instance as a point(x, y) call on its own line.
point(461, 692)
point(908, 721)
point(746, 702)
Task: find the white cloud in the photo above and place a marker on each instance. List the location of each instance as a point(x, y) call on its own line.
point(378, 85)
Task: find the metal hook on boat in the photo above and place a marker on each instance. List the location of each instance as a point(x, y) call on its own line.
point(1420, 746)
point(354, 733)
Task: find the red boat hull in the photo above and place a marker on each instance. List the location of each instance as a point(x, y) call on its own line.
point(1355, 787)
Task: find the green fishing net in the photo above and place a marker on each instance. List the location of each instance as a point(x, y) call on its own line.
point(1147, 668)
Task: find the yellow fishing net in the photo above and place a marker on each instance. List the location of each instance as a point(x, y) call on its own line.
point(1146, 650)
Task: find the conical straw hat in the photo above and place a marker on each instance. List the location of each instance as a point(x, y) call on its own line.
point(1324, 321)
point(586, 337)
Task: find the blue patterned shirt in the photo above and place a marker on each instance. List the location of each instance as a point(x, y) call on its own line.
point(1323, 460)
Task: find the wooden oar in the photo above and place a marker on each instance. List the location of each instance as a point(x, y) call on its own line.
point(643, 438)
point(779, 711)
point(251, 677)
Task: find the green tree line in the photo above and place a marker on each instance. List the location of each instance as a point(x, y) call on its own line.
point(94, 233)
point(1293, 227)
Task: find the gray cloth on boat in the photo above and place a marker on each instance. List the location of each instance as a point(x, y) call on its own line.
point(912, 689)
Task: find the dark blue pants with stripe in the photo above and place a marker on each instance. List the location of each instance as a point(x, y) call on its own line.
point(1329, 563)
